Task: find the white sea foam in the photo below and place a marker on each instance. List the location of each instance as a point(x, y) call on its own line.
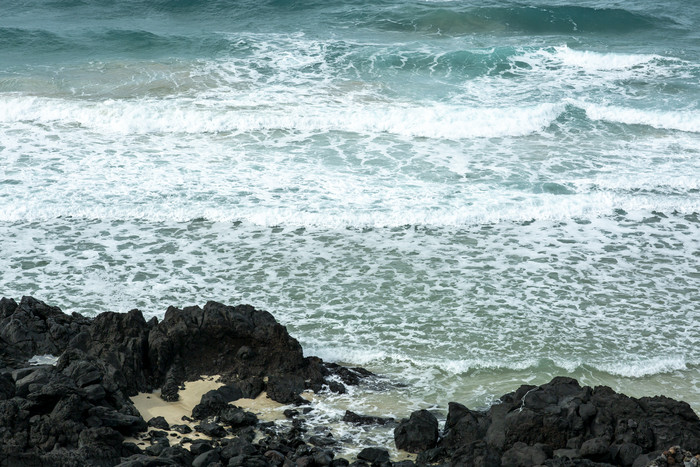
point(43, 360)
point(436, 121)
point(590, 61)
point(640, 367)
point(404, 212)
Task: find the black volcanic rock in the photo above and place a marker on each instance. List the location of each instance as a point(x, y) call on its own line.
point(561, 423)
point(418, 433)
point(78, 412)
point(207, 340)
point(357, 419)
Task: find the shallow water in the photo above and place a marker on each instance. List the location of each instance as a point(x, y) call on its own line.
point(462, 197)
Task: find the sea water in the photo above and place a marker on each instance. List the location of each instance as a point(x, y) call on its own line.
point(459, 196)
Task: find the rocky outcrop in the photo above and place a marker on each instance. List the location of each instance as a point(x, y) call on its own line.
point(560, 423)
point(78, 411)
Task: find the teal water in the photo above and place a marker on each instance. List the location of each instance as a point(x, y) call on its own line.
point(462, 196)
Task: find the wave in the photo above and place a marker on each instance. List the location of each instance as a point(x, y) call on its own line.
point(680, 120)
point(139, 117)
point(632, 367)
point(35, 44)
point(530, 20)
point(395, 213)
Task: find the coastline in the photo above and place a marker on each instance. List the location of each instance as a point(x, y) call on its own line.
point(116, 375)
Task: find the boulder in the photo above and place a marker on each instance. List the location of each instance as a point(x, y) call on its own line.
point(374, 456)
point(418, 433)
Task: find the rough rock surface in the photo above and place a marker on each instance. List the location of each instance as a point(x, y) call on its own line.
point(563, 424)
point(78, 412)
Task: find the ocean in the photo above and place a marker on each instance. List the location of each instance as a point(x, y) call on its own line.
point(460, 196)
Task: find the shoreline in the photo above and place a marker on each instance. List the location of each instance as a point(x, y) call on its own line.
point(124, 391)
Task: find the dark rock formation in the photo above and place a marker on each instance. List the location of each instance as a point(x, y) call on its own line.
point(357, 419)
point(559, 424)
point(418, 433)
point(78, 412)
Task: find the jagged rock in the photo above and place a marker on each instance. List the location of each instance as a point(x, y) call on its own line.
point(209, 405)
point(522, 455)
point(418, 433)
point(183, 429)
point(211, 338)
point(374, 455)
point(237, 418)
point(596, 449)
point(178, 454)
point(476, 454)
point(77, 412)
point(159, 422)
point(211, 429)
point(285, 389)
point(357, 419)
point(322, 441)
point(250, 387)
point(206, 458)
point(238, 447)
point(463, 426)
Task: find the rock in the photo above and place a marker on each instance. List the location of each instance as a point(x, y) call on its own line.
point(211, 429)
point(200, 447)
point(159, 422)
point(323, 458)
point(207, 458)
point(238, 447)
point(522, 455)
point(230, 392)
point(125, 424)
point(374, 456)
point(597, 449)
point(202, 340)
point(210, 405)
point(250, 387)
point(476, 454)
point(627, 453)
point(463, 426)
point(236, 417)
point(182, 429)
point(322, 441)
point(431, 456)
point(285, 389)
point(418, 433)
point(177, 454)
point(357, 419)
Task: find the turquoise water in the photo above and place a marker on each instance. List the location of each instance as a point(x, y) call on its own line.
point(462, 196)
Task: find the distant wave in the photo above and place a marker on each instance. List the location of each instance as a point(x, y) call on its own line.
point(531, 20)
point(39, 42)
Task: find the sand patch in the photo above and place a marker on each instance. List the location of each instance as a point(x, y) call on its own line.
point(151, 405)
point(265, 408)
